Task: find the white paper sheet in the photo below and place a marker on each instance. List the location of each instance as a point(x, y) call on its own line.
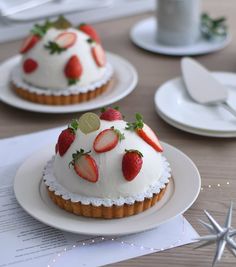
point(25, 242)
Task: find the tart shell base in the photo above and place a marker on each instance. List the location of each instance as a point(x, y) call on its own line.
point(60, 99)
point(106, 212)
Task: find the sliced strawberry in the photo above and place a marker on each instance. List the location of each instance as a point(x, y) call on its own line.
point(30, 65)
point(66, 39)
point(111, 114)
point(89, 30)
point(85, 166)
point(29, 43)
point(131, 164)
point(67, 137)
point(73, 69)
point(147, 134)
point(99, 55)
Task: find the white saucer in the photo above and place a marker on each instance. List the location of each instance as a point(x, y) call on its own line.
point(194, 130)
point(173, 101)
point(126, 79)
point(144, 35)
point(182, 191)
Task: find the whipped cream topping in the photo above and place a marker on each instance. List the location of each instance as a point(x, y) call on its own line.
point(111, 183)
point(50, 71)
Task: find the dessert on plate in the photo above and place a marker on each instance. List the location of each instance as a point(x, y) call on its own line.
point(61, 64)
point(105, 167)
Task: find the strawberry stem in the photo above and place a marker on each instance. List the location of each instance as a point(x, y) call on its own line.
point(120, 135)
point(74, 125)
point(77, 155)
point(138, 124)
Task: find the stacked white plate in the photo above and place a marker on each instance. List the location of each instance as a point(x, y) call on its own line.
point(174, 105)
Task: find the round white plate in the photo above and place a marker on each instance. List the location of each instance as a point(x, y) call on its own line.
point(173, 101)
point(144, 35)
point(194, 130)
point(181, 193)
point(126, 79)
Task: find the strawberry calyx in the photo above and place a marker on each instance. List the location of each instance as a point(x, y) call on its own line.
point(77, 155)
point(103, 109)
point(91, 41)
point(121, 136)
point(138, 124)
point(134, 151)
point(73, 126)
point(54, 48)
point(72, 81)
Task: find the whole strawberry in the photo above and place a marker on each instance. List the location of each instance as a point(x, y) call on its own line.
point(73, 70)
point(111, 114)
point(89, 30)
point(30, 65)
point(66, 138)
point(85, 166)
point(131, 164)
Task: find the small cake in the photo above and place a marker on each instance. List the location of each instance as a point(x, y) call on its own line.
point(61, 65)
point(106, 167)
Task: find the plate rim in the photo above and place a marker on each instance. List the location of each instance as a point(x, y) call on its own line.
point(160, 49)
point(183, 124)
point(196, 190)
point(194, 131)
point(50, 109)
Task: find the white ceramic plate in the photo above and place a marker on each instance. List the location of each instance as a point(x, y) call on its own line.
point(173, 101)
point(194, 130)
point(144, 35)
point(126, 79)
point(182, 191)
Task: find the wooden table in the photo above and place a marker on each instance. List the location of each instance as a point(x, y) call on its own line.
point(215, 158)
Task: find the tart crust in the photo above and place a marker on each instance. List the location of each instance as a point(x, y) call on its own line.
point(60, 99)
point(106, 212)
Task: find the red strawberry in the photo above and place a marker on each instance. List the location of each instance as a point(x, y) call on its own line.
point(66, 39)
point(89, 30)
point(85, 166)
point(99, 55)
point(73, 69)
point(107, 140)
point(131, 164)
point(67, 137)
point(29, 43)
point(145, 132)
point(30, 65)
point(111, 114)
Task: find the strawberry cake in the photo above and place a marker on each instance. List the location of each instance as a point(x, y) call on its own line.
point(61, 64)
point(105, 167)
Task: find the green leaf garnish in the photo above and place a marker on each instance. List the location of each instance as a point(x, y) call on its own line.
point(138, 124)
point(53, 47)
point(213, 28)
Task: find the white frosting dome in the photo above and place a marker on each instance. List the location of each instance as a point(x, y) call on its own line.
point(50, 71)
point(111, 183)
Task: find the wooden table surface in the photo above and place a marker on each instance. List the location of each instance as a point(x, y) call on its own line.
point(215, 158)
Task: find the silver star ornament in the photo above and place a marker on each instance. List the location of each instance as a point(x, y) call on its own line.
point(221, 235)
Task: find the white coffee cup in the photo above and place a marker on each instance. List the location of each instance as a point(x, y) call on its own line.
point(178, 22)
